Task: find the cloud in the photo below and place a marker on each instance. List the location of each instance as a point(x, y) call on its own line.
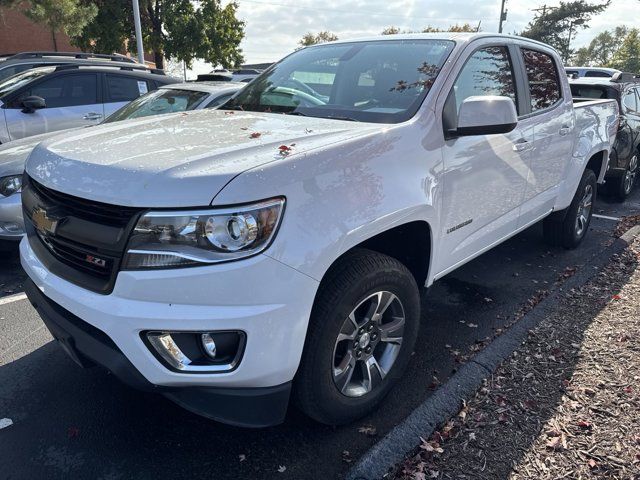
point(275, 26)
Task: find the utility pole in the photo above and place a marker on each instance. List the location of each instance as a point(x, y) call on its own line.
point(503, 16)
point(136, 20)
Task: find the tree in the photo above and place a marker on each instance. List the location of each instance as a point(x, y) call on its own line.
point(627, 57)
point(556, 25)
point(67, 16)
point(179, 29)
point(601, 49)
point(429, 29)
point(320, 37)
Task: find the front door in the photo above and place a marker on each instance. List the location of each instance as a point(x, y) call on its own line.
point(484, 175)
point(71, 101)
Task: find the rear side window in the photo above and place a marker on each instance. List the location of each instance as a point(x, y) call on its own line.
point(68, 90)
point(597, 74)
point(487, 72)
point(544, 84)
point(125, 89)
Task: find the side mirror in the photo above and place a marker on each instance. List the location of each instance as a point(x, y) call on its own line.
point(486, 115)
point(33, 103)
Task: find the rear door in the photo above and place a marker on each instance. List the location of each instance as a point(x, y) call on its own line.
point(551, 111)
point(484, 175)
point(72, 100)
point(121, 89)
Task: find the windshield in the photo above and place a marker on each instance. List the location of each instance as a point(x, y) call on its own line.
point(159, 102)
point(379, 81)
point(17, 81)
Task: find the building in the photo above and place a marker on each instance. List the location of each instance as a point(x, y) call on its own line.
point(19, 34)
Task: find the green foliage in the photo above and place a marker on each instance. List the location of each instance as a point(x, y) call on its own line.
point(68, 16)
point(320, 37)
point(555, 25)
point(601, 49)
point(627, 57)
point(179, 29)
point(465, 27)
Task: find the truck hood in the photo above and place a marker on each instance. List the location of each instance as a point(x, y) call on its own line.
point(177, 160)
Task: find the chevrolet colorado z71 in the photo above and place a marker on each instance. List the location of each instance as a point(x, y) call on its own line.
point(231, 259)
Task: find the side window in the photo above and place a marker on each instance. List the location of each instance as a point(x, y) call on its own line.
point(597, 74)
point(124, 89)
point(68, 90)
point(487, 72)
point(630, 100)
point(219, 101)
point(544, 84)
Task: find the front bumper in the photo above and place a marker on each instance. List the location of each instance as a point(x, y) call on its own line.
point(87, 346)
point(269, 301)
point(11, 220)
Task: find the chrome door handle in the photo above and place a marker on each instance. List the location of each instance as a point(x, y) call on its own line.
point(92, 116)
point(522, 146)
point(565, 131)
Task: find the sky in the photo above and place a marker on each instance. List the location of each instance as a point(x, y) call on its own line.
point(274, 27)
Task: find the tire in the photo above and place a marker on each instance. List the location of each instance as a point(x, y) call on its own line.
point(620, 187)
point(9, 247)
point(567, 228)
point(323, 388)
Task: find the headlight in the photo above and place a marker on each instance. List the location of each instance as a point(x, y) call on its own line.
point(10, 185)
point(197, 237)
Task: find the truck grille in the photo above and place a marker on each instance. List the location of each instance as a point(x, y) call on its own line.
point(77, 239)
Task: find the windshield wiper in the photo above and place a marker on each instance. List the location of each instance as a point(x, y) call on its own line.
point(339, 117)
point(331, 117)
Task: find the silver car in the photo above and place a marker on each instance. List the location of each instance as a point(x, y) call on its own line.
point(167, 99)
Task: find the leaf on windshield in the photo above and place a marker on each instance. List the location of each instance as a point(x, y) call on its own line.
point(285, 150)
point(255, 135)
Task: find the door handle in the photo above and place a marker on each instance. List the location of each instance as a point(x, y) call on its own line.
point(565, 130)
point(522, 146)
point(92, 116)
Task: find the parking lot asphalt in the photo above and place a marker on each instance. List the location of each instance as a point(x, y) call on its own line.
point(84, 423)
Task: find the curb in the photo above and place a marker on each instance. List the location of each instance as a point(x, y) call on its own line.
point(446, 401)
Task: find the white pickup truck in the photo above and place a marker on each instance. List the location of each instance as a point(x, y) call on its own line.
point(231, 259)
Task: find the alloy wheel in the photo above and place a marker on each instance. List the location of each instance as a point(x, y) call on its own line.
point(584, 210)
point(368, 344)
point(630, 174)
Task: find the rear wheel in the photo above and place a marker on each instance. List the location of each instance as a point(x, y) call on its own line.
point(361, 334)
point(620, 187)
point(568, 227)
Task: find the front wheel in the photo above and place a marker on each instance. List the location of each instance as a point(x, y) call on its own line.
point(362, 331)
point(567, 228)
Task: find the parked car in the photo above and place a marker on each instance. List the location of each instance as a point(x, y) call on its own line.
point(276, 246)
point(166, 99)
point(245, 74)
point(623, 160)
point(13, 64)
point(594, 72)
point(46, 99)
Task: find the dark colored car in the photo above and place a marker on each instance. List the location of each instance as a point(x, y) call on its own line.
point(623, 162)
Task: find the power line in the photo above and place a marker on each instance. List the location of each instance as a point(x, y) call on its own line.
point(367, 13)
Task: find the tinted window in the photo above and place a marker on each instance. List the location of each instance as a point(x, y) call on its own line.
point(159, 102)
point(12, 70)
point(544, 84)
point(595, 73)
point(125, 89)
point(11, 84)
point(589, 91)
point(487, 72)
point(630, 100)
point(68, 90)
point(324, 81)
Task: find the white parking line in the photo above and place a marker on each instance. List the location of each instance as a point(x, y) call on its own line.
point(604, 217)
point(12, 298)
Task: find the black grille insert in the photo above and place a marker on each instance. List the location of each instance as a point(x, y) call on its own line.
point(83, 241)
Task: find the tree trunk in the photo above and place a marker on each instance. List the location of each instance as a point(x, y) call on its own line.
point(158, 58)
point(55, 41)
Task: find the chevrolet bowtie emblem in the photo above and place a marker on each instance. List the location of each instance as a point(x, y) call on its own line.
point(42, 222)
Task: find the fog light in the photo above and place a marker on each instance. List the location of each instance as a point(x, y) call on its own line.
point(209, 345)
point(199, 352)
